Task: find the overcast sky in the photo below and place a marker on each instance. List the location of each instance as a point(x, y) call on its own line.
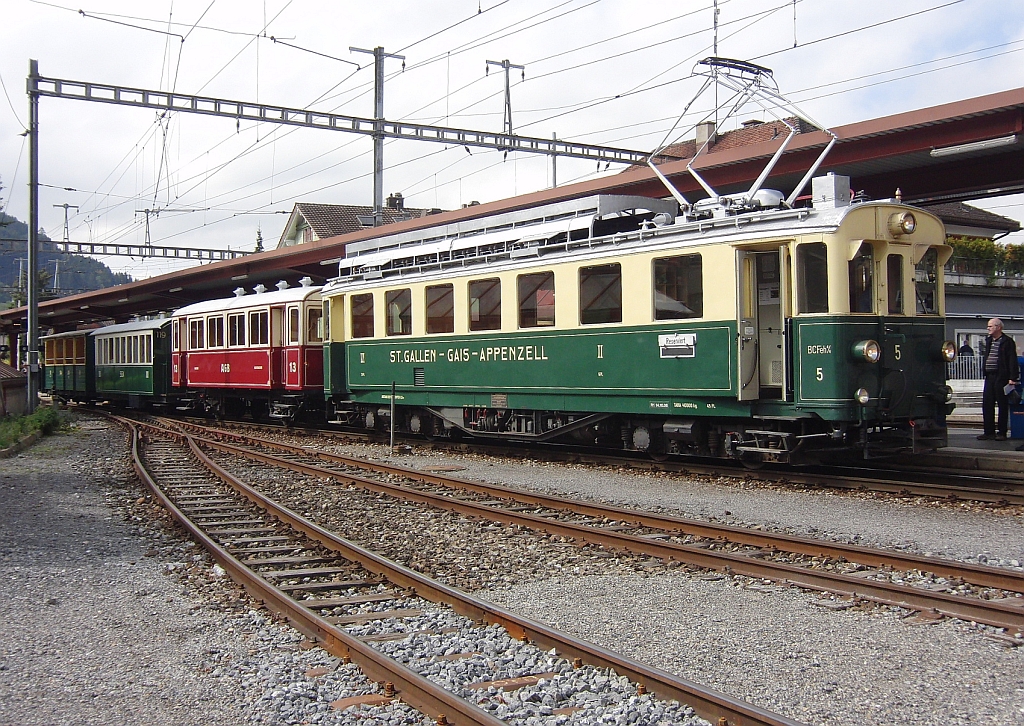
point(612, 72)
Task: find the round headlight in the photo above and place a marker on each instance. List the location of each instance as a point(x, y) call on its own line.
point(862, 396)
point(869, 350)
point(949, 393)
point(902, 223)
point(948, 351)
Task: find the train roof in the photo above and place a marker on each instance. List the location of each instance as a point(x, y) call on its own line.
point(257, 299)
point(68, 334)
point(546, 232)
point(133, 327)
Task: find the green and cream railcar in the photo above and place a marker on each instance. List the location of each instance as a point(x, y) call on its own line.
point(764, 335)
point(132, 362)
point(68, 366)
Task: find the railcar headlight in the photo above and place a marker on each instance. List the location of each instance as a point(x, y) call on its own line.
point(869, 350)
point(948, 390)
point(862, 396)
point(902, 223)
point(948, 351)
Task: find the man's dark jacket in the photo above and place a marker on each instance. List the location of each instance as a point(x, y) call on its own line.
point(1008, 369)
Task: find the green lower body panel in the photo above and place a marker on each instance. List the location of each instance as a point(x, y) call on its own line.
point(121, 379)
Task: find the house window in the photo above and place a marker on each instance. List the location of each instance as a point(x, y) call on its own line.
point(812, 278)
point(362, 315)
point(601, 294)
point(485, 304)
point(398, 304)
point(678, 287)
point(236, 329)
point(536, 300)
point(441, 309)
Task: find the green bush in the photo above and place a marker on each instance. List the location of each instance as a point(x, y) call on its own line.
point(13, 428)
point(976, 255)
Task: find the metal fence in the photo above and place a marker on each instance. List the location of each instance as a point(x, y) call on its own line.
point(965, 367)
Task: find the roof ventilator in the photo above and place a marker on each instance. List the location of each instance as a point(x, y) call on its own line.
point(748, 83)
point(239, 291)
point(282, 285)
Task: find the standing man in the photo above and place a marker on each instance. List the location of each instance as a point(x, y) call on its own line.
point(999, 357)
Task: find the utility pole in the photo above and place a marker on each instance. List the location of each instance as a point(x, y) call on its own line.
point(554, 163)
point(33, 236)
point(65, 206)
point(506, 65)
point(378, 128)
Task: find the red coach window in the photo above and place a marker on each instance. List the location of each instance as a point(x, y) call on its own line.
point(215, 331)
point(195, 334)
point(293, 326)
point(314, 325)
point(259, 328)
point(236, 329)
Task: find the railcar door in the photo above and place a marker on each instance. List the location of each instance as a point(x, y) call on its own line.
point(763, 278)
point(747, 357)
point(293, 351)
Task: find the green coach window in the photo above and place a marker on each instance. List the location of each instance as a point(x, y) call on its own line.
point(678, 287)
point(398, 305)
point(812, 278)
point(485, 304)
point(536, 300)
point(601, 294)
point(894, 283)
point(441, 309)
point(362, 315)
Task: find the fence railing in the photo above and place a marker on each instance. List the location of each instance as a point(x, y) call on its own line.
point(965, 367)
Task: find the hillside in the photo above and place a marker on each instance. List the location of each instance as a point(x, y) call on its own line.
point(76, 273)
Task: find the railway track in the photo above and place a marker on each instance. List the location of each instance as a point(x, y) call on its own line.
point(360, 606)
point(930, 586)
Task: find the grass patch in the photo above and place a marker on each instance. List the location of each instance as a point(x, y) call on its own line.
point(14, 428)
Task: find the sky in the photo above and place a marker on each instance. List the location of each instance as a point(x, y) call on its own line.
point(610, 72)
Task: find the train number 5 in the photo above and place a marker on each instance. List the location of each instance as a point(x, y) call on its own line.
point(819, 374)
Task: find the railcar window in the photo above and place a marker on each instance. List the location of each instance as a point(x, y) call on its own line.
point(195, 334)
point(49, 357)
point(362, 315)
point(175, 335)
point(326, 320)
point(314, 325)
point(215, 332)
point(120, 350)
point(678, 287)
point(862, 282)
point(485, 304)
point(293, 326)
point(601, 294)
point(894, 283)
point(259, 328)
point(133, 349)
point(812, 277)
point(80, 351)
point(537, 300)
point(236, 329)
point(926, 276)
point(441, 309)
point(148, 348)
point(398, 304)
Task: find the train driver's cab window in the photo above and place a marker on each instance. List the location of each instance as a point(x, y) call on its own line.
point(894, 283)
point(398, 305)
point(862, 282)
point(441, 309)
point(601, 294)
point(678, 287)
point(812, 278)
point(259, 327)
point(195, 334)
point(314, 325)
point(236, 329)
point(293, 326)
point(926, 280)
point(537, 300)
point(485, 304)
point(215, 332)
point(362, 316)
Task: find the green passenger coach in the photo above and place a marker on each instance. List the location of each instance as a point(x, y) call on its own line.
point(132, 362)
point(769, 334)
point(68, 366)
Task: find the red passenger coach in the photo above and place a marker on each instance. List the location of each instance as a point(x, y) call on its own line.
point(260, 354)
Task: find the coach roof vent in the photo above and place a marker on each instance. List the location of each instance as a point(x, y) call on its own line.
point(239, 291)
point(306, 281)
point(261, 288)
point(282, 285)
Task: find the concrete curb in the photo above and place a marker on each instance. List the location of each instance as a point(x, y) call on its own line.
point(21, 445)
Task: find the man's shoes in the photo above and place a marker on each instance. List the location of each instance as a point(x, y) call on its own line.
point(1000, 437)
point(986, 437)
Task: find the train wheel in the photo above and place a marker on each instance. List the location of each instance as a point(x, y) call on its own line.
point(751, 460)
